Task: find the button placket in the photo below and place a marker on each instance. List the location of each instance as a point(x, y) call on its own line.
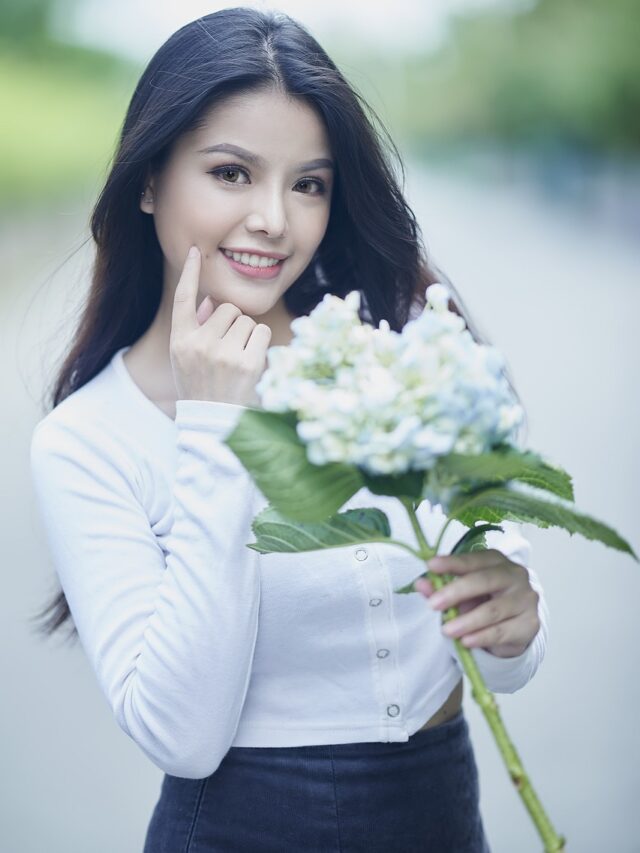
point(374, 578)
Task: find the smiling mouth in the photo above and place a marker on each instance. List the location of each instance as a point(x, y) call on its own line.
point(269, 271)
point(273, 262)
point(277, 258)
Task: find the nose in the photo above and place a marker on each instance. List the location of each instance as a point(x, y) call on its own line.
point(269, 215)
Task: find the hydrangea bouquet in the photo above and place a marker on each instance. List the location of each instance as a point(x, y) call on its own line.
point(424, 414)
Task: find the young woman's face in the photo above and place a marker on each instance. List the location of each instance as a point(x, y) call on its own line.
point(279, 203)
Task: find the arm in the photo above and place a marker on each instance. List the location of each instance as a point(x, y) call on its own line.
point(171, 637)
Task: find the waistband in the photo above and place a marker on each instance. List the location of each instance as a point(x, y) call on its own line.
point(455, 727)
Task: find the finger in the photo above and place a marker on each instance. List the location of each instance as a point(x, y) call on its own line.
point(493, 579)
point(205, 310)
point(423, 586)
point(426, 588)
point(470, 603)
point(258, 341)
point(515, 631)
point(460, 564)
point(239, 331)
point(484, 615)
point(184, 299)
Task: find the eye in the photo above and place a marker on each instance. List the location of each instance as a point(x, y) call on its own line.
point(226, 170)
point(319, 184)
point(231, 169)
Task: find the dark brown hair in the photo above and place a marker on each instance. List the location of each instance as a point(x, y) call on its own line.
point(372, 243)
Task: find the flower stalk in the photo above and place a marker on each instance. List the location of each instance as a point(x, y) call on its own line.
point(553, 843)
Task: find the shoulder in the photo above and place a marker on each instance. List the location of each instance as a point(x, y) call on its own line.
point(93, 423)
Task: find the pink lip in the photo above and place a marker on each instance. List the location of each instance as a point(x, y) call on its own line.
point(254, 272)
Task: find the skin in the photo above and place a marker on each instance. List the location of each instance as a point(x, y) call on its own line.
point(274, 207)
point(270, 207)
point(498, 608)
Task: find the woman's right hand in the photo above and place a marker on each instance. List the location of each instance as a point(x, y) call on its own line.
point(217, 352)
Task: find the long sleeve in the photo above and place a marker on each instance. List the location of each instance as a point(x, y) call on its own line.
point(507, 675)
point(170, 632)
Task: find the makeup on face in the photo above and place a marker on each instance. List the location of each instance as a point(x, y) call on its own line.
point(256, 272)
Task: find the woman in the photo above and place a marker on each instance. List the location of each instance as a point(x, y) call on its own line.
point(292, 701)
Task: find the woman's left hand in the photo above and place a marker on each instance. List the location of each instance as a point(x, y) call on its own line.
point(498, 608)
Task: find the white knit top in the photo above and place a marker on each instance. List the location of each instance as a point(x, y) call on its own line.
point(200, 643)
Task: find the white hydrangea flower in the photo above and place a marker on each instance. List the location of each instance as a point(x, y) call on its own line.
point(385, 401)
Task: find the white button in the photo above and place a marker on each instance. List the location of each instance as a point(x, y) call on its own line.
point(361, 554)
point(382, 653)
point(393, 710)
point(374, 602)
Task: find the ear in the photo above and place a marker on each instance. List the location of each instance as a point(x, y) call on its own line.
point(146, 198)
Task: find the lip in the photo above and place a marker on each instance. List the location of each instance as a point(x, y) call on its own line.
point(273, 255)
point(254, 272)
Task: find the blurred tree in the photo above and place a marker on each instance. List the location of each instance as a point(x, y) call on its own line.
point(29, 21)
point(558, 72)
point(74, 95)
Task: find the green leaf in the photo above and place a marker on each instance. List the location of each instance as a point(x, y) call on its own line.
point(497, 503)
point(474, 539)
point(506, 463)
point(408, 587)
point(270, 449)
point(278, 533)
point(408, 484)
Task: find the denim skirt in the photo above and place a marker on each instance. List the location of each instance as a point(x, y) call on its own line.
point(421, 796)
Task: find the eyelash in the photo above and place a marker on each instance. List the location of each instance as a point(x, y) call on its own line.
point(234, 168)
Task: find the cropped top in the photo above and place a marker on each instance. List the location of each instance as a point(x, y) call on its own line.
point(200, 643)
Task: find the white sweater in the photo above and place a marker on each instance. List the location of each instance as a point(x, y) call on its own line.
point(200, 643)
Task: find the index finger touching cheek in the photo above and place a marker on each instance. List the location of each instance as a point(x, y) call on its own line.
point(184, 298)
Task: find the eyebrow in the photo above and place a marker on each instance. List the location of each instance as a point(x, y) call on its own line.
point(256, 160)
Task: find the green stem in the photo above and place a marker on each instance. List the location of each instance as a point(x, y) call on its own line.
point(553, 843)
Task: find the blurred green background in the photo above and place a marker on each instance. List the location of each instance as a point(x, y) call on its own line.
point(559, 78)
point(518, 123)
point(62, 105)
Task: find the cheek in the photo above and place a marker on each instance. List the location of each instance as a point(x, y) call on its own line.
point(311, 227)
point(182, 224)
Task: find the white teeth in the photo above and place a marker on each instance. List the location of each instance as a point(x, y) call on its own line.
point(251, 260)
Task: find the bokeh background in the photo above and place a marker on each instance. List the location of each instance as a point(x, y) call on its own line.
point(519, 127)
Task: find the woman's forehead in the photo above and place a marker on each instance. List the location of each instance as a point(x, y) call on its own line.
point(284, 124)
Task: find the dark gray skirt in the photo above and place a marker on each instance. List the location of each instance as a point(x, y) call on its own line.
point(421, 796)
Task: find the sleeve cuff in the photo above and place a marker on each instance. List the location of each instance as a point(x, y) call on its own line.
point(503, 672)
point(506, 675)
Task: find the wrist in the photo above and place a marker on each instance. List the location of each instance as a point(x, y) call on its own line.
point(507, 650)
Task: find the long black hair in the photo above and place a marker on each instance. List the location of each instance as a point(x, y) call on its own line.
point(372, 243)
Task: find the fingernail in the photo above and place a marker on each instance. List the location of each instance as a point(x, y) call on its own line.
point(436, 562)
point(420, 585)
point(436, 600)
point(193, 252)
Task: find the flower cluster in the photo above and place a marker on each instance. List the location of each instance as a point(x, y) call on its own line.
point(386, 401)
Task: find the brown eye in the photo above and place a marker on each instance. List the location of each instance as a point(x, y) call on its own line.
point(226, 170)
point(318, 183)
